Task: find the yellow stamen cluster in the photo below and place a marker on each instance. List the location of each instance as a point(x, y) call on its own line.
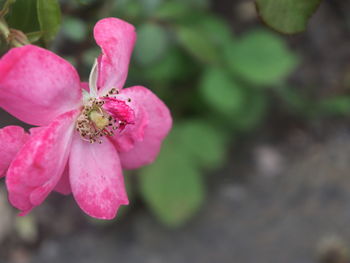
point(94, 122)
point(99, 119)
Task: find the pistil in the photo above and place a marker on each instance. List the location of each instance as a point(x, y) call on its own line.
point(94, 122)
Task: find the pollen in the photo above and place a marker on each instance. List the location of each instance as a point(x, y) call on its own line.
point(94, 122)
point(99, 119)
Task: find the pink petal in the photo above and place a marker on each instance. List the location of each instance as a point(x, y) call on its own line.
point(35, 130)
point(85, 86)
point(38, 166)
point(116, 39)
point(12, 139)
point(126, 138)
point(140, 145)
point(36, 85)
point(63, 185)
point(96, 178)
point(119, 110)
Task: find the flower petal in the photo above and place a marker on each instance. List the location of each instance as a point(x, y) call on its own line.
point(63, 185)
point(96, 178)
point(85, 86)
point(116, 39)
point(140, 145)
point(36, 85)
point(35, 130)
point(12, 139)
point(38, 166)
point(119, 110)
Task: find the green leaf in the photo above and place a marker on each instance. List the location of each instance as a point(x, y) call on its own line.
point(197, 44)
point(85, 2)
point(253, 112)
point(221, 92)
point(172, 10)
point(217, 30)
point(23, 16)
point(127, 9)
point(261, 58)
point(74, 28)
point(339, 105)
point(287, 16)
point(173, 66)
point(34, 36)
point(150, 6)
point(5, 7)
point(152, 44)
point(49, 16)
point(172, 186)
point(204, 145)
point(196, 4)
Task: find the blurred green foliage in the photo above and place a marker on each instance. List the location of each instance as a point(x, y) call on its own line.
point(38, 19)
point(287, 16)
point(261, 58)
point(49, 16)
point(23, 16)
point(218, 85)
point(152, 44)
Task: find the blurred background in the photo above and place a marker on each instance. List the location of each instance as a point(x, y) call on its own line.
point(256, 168)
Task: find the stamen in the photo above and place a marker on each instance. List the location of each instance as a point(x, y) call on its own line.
point(96, 121)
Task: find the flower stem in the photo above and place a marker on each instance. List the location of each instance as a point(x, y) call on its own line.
point(4, 30)
point(15, 38)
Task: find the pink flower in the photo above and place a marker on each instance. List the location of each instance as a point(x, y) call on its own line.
point(87, 133)
point(12, 139)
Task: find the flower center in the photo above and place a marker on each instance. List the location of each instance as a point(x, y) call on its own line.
point(94, 122)
point(102, 116)
point(99, 119)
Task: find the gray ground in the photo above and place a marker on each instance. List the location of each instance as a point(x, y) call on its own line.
point(283, 207)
